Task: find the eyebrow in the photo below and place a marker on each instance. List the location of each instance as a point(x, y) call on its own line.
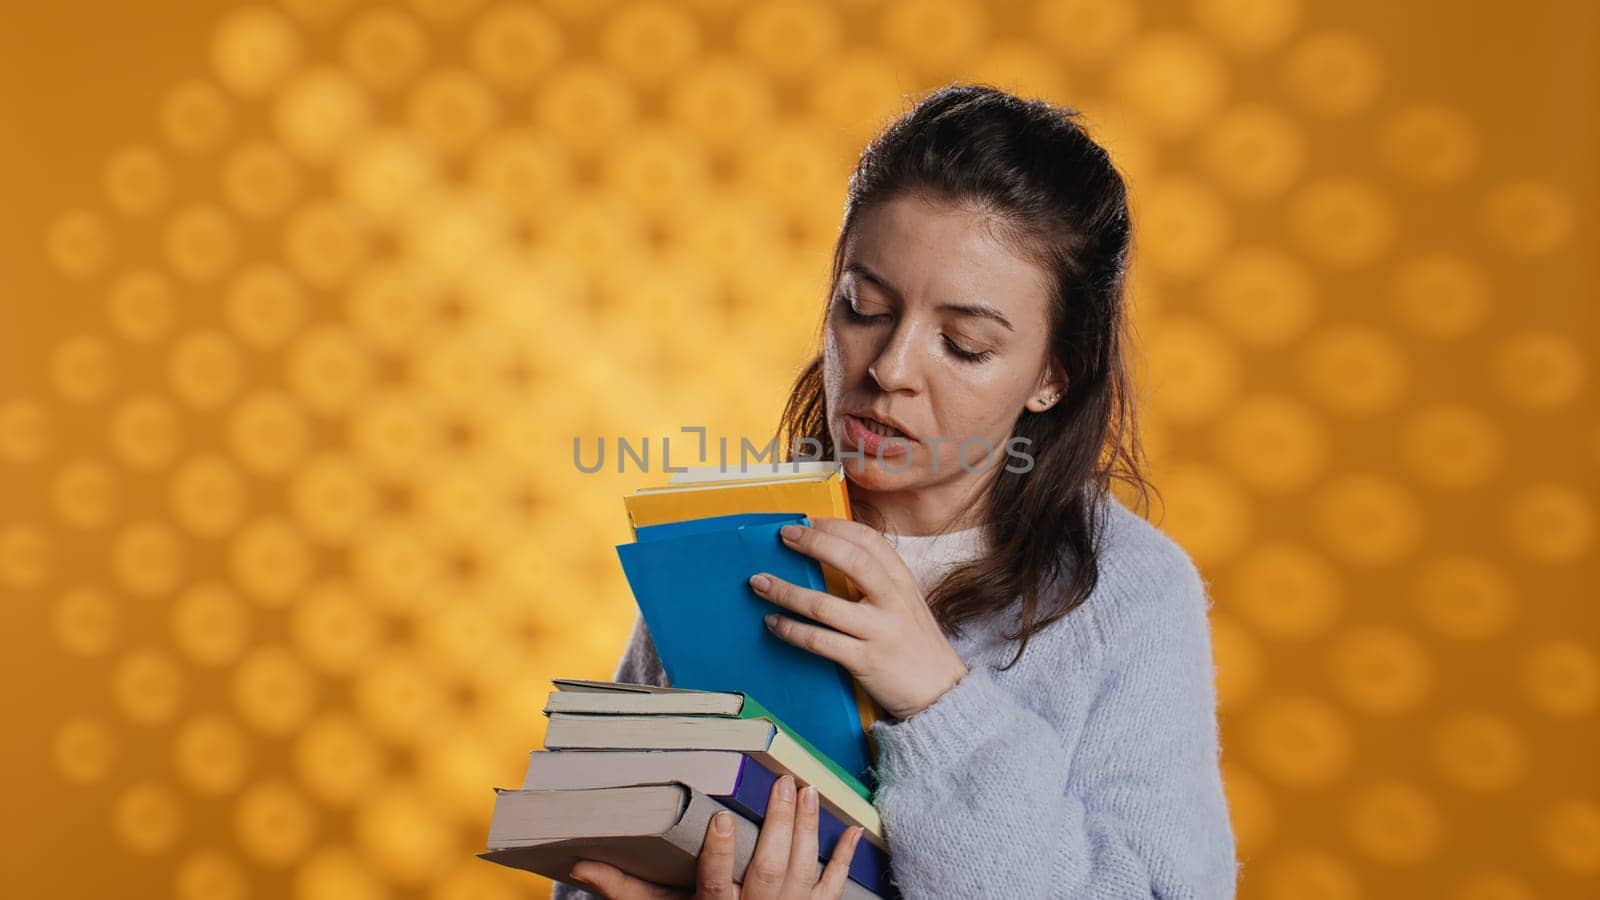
point(978, 310)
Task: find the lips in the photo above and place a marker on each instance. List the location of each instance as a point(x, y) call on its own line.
point(886, 431)
point(884, 425)
point(864, 435)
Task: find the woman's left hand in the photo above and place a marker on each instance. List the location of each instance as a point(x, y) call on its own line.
point(889, 640)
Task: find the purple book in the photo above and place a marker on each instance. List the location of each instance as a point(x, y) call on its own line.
point(869, 866)
point(736, 779)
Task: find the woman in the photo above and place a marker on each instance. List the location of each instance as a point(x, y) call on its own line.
point(1043, 652)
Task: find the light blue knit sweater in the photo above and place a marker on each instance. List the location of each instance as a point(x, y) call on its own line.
point(1088, 769)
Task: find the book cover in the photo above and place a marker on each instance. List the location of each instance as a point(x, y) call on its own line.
point(812, 487)
point(691, 582)
point(819, 493)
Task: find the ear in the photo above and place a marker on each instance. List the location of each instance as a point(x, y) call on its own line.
point(1051, 387)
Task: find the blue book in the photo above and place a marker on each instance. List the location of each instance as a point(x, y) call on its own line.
point(691, 581)
point(869, 866)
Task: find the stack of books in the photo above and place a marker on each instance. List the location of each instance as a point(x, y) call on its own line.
point(631, 774)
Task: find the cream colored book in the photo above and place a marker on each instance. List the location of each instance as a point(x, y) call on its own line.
point(772, 746)
point(652, 831)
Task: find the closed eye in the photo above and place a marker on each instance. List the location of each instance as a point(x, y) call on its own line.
point(859, 317)
point(956, 350)
point(965, 355)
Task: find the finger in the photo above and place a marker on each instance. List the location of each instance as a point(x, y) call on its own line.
point(851, 530)
point(869, 539)
point(803, 847)
point(869, 571)
point(838, 867)
point(615, 884)
point(769, 863)
point(825, 642)
point(714, 877)
point(837, 613)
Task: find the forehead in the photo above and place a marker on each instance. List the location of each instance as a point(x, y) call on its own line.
point(936, 252)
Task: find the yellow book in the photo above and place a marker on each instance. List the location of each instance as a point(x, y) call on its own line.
point(815, 488)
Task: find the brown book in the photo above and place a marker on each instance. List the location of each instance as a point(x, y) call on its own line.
point(651, 831)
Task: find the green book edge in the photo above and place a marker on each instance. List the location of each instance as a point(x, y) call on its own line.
point(752, 709)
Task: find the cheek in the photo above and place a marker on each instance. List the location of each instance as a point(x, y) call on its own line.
point(832, 361)
point(844, 356)
point(836, 363)
point(999, 393)
point(971, 419)
point(978, 406)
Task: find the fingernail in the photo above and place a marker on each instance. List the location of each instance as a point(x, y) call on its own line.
point(723, 822)
point(786, 787)
point(760, 582)
point(808, 799)
point(771, 619)
point(789, 532)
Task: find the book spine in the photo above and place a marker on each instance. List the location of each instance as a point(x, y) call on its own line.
point(752, 788)
point(868, 711)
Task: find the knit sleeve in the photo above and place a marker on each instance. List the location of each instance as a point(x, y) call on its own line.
point(639, 665)
point(982, 796)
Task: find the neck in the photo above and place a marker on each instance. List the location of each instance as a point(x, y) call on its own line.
point(924, 511)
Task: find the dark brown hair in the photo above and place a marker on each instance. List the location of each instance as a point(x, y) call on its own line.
point(1054, 194)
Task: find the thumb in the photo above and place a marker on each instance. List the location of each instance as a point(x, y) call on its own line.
point(614, 884)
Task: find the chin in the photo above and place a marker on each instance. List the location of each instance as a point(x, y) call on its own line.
point(874, 476)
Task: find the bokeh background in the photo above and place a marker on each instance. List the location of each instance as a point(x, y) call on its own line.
point(305, 302)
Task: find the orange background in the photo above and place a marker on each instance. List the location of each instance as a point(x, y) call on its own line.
point(304, 304)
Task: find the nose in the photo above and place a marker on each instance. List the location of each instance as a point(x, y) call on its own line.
point(898, 366)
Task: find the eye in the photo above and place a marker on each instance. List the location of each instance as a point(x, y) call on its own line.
point(965, 355)
point(857, 317)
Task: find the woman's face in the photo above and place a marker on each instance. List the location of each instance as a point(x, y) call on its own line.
point(940, 327)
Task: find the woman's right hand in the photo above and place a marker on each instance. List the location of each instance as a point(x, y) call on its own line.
point(782, 867)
